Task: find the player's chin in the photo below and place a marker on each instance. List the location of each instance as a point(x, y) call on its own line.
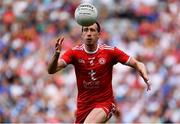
point(89, 42)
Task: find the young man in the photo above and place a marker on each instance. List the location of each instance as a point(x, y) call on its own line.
point(93, 67)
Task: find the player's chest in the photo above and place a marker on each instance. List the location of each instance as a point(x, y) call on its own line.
point(92, 61)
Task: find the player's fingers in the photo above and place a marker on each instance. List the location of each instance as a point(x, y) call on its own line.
point(117, 113)
point(61, 40)
point(58, 40)
point(148, 86)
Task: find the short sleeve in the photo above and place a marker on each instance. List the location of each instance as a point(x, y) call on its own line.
point(120, 56)
point(67, 57)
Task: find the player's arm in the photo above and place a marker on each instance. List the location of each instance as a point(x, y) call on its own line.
point(140, 67)
point(53, 65)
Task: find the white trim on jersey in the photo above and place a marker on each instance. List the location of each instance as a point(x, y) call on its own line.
point(89, 51)
point(108, 48)
point(128, 60)
point(63, 61)
point(104, 46)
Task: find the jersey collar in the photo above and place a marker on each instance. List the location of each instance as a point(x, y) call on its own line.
point(89, 51)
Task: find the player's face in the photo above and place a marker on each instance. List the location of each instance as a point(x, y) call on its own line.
point(90, 34)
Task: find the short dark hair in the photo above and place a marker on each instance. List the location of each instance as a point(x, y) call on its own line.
point(98, 26)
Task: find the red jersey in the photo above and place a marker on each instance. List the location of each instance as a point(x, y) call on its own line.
point(94, 72)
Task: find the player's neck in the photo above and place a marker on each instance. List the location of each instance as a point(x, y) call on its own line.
point(91, 48)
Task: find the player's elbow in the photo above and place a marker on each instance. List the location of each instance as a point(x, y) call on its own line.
point(50, 71)
point(136, 64)
point(139, 65)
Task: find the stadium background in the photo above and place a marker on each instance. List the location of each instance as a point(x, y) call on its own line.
point(146, 29)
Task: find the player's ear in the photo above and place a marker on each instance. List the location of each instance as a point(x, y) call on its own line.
point(99, 33)
point(81, 29)
point(81, 35)
point(81, 32)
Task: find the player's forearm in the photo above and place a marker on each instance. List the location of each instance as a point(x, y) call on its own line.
point(52, 67)
point(142, 70)
point(140, 67)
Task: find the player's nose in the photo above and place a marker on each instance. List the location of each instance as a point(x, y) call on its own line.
point(89, 33)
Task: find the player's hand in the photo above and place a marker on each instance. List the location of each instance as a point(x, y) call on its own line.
point(117, 113)
point(58, 44)
point(148, 85)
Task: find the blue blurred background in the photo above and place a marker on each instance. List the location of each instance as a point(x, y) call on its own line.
point(148, 30)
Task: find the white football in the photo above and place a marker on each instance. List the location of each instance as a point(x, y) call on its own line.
point(86, 14)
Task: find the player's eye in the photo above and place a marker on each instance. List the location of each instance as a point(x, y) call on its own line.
point(89, 29)
point(92, 30)
point(85, 29)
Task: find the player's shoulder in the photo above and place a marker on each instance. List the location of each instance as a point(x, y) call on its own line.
point(106, 47)
point(78, 47)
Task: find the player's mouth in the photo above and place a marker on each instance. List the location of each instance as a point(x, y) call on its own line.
point(89, 39)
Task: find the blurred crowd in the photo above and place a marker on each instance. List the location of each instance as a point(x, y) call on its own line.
point(148, 30)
